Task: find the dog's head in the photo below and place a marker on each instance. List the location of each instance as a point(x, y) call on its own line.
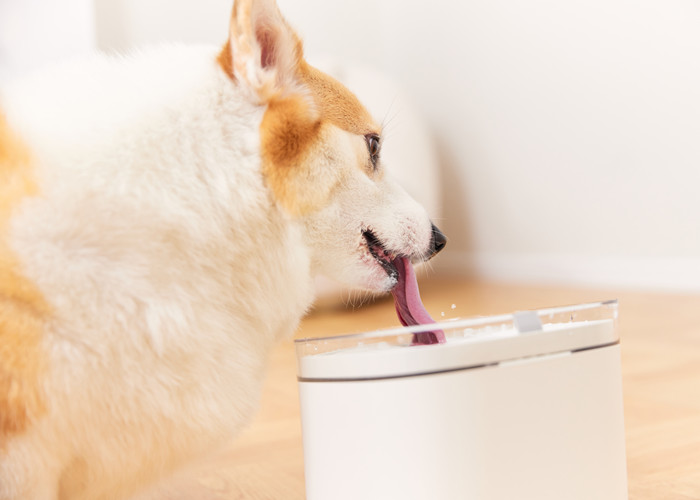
point(321, 156)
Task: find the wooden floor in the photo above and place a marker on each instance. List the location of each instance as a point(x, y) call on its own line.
point(661, 377)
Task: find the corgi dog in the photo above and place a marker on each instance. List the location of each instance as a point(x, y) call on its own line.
point(162, 219)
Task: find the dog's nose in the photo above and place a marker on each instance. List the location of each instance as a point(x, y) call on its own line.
point(437, 242)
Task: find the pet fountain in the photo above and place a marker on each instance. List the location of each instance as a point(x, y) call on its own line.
point(523, 406)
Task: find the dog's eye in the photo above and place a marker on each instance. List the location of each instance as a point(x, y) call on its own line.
point(373, 147)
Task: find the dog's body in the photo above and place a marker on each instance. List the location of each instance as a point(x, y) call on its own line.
point(161, 221)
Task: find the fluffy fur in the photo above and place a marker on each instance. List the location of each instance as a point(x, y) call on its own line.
point(162, 218)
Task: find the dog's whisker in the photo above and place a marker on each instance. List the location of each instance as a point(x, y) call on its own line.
point(389, 125)
point(388, 110)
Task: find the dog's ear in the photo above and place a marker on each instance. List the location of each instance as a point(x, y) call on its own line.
point(263, 52)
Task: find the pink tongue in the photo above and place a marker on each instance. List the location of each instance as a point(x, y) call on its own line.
point(409, 307)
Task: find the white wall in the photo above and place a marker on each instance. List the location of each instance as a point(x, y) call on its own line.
point(125, 24)
point(37, 32)
point(569, 132)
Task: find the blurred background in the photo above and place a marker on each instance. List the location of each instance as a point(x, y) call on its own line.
point(556, 142)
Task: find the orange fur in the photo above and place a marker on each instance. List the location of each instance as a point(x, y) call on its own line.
point(22, 308)
point(289, 133)
point(225, 59)
point(295, 125)
point(288, 129)
point(338, 105)
point(293, 130)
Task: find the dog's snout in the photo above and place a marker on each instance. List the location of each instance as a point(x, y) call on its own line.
point(438, 241)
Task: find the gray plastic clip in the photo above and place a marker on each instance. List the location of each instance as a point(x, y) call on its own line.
point(527, 321)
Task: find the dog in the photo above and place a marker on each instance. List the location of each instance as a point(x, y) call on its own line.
point(162, 218)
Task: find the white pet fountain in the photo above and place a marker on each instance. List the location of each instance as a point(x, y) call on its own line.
point(525, 406)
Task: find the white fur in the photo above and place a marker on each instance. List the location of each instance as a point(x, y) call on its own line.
point(169, 267)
